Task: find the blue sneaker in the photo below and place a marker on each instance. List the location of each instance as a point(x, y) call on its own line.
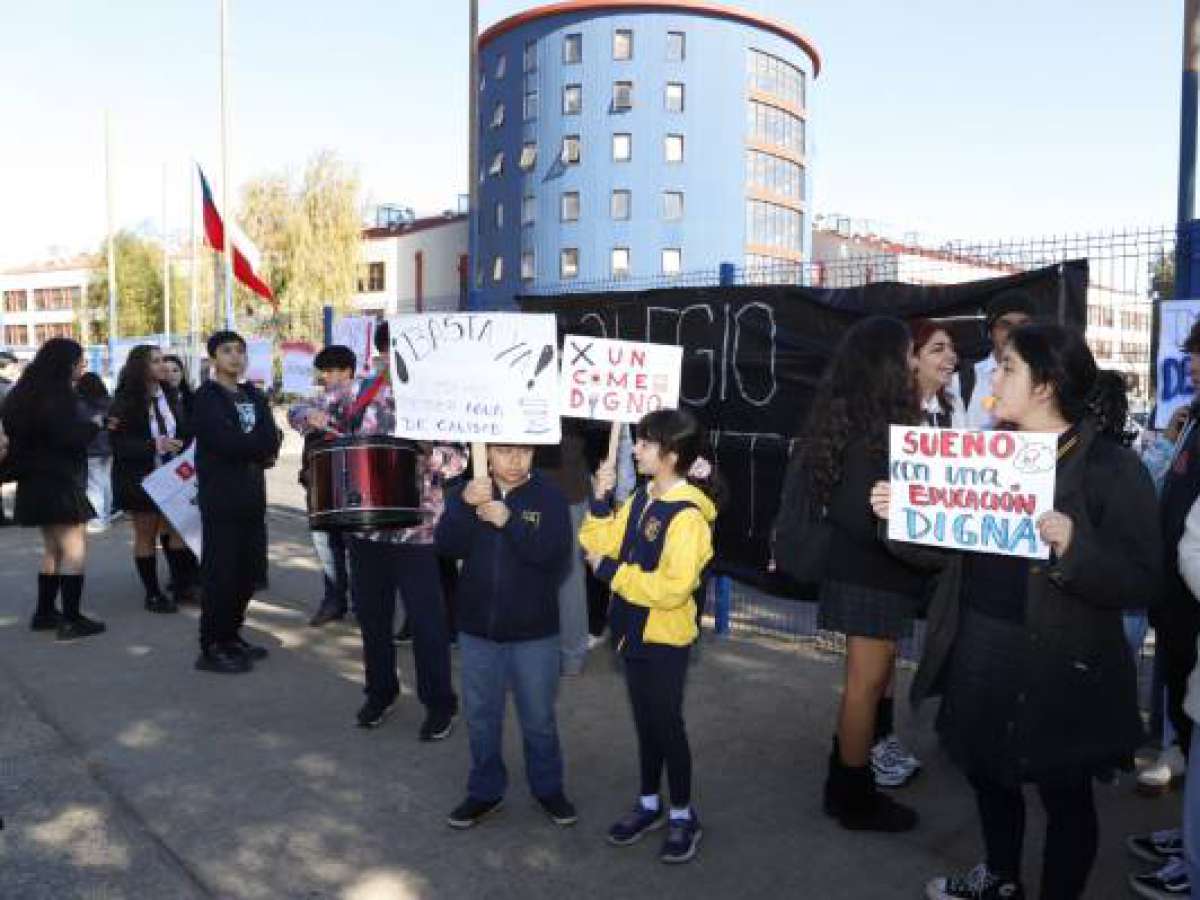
point(683, 837)
point(632, 827)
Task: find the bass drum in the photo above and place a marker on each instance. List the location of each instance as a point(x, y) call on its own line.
point(364, 482)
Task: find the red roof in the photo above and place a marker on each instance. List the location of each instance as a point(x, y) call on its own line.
point(683, 6)
point(410, 227)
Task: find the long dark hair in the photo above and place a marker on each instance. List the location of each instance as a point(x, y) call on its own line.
point(866, 387)
point(45, 387)
point(132, 396)
point(1058, 357)
point(92, 389)
point(185, 387)
point(677, 431)
point(1109, 405)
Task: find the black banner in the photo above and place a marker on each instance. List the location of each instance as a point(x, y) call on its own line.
point(752, 356)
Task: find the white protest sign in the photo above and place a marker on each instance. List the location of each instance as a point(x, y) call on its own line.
point(298, 359)
point(981, 491)
point(173, 488)
point(617, 381)
point(488, 377)
point(357, 333)
point(260, 360)
point(1175, 388)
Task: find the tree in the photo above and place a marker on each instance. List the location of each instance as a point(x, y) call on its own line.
point(139, 291)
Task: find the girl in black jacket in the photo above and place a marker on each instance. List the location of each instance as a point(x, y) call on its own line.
point(49, 436)
point(150, 430)
point(1039, 686)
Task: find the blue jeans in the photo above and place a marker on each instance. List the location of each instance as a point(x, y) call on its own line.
point(1191, 812)
point(531, 670)
point(331, 551)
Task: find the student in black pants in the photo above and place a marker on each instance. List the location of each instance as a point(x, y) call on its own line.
point(236, 440)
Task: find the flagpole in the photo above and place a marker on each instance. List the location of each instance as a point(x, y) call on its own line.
point(166, 266)
point(473, 151)
point(112, 250)
point(226, 209)
point(193, 288)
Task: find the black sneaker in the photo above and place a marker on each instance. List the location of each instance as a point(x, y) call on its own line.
point(45, 621)
point(373, 712)
point(471, 812)
point(253, 652)
point(78, 627)
point(683, 838)
point(161, 604)
point(559, 809)
point(325, 615)
point(978, 884)
point(403, 636)
point(1171, 882)
point(1156, 847)
point(223, 661)
point(437, 726)
point(634, 825)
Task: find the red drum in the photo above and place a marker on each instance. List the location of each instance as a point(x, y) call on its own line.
point(364, 482)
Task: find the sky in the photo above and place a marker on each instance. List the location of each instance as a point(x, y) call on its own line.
point(951, 118)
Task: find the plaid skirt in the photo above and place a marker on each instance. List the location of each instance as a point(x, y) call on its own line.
point(858, 611)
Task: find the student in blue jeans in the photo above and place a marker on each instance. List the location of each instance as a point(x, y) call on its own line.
point(513, 533)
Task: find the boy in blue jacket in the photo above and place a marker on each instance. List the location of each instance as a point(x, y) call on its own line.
point(513, 533)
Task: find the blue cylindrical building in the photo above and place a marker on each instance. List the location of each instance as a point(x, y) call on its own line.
point(627, 142)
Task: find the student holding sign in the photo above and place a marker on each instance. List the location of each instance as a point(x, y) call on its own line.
point(1038, 684)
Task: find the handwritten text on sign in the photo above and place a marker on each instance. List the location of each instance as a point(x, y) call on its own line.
point(1175, 388)
point(618, 381)
point(489, 377)
point(972, 490)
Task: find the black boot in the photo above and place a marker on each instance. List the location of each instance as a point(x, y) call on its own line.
point(181, 586)
point(75, 624)
point(46, 617)
point(156, 601)
point(852, 798)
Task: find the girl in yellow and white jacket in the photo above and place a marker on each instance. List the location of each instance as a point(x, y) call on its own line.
point(652, 551)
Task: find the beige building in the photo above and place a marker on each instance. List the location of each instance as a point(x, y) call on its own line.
point(413, 265)
point(45, 300)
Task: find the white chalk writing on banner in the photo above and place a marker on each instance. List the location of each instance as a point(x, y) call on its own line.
point(1175, 387)
point(298, 359)
point(618, 381)
point(490, 377)
point(173, 488)
point(357, 333)
point(260, 360)
point(981, 491)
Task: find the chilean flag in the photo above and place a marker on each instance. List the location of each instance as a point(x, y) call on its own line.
point(245, 255)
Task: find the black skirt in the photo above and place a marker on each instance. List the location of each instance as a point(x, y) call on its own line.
point(44, 499)
point(128, 493)
point(858, 611)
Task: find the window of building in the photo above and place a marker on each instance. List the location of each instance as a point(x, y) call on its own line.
point(773, 225)
point(672, 261)
point(672, 205)
point(569, 206)
point(43, 333)
point(498, 269)
point(622, 147)
point(528, 269)
point(16, 335)
point(673, 148)
point(529, 210)
point(572, 100)
point(56, 298)
point(528, 156)
point(568, 263)
point(497, 166)
point(499, 216)
point(674, 98)
point(775, 174)
point(620, 205)
point(620, 262)
point(529, 60)
point(529, 108)
point(776, 126)
point(15, 301)
point(772, 75)
point(371, 278)
point(622, 44)
point(498, 115)
point(573, 49)
point(501, 65)
point(676, 46)
point(623, 95)
point(571, 149)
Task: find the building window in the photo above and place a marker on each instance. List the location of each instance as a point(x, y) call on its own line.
point(622, 147)
point(622, 96)
point(43, 333)
point(529, 108)
point(568, 263)
point(528, 269)
point(16, 335)
point(672, 205)
point(773, 76)
point(620, 205)
point(529, 61)
point(676, 46)
point(15, 301)
point(673, 148)
point(772, 125)
point(501, 65)
point(529, 210)
point(773, 225)
point(571, 150)
point(674, 100)
point(620, 262)
point(622, 44)
point(499, 216)
point(572, 100)
point(56, 298)
point(528, 156)
point(498, 269)
point(498, 116)
point(672, 261)
point(569, 206)
point(497, 166)
point(371, 278)
point(775, 174)
point(573, 49)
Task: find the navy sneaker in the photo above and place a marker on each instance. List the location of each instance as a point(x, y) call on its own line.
point(471, 812)
point(560, 810)
point(632, 827)
point(1171, 881)
point(683, 837)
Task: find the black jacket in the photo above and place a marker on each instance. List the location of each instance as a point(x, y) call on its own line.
point(132, 447)
point(229, 460)
point(1080, 682)
point(508, 589)
point(51, 448)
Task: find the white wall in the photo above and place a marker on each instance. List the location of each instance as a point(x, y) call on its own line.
point(441, 246)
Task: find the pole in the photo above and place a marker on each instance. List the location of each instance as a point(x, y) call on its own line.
point(473, 154)
point(112, 250)
point(226, 209)
point(1186, 210)
point(193, 287)
point(723, 584)
point(166, 267)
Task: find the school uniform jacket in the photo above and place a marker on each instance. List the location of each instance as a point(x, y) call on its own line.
point(229, 459)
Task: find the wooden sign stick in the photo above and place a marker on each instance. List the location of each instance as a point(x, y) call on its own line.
point(614, 442)
point(479, 468)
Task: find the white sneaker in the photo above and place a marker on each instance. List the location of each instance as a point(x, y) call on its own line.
point(1158, 777)
point(595, 640)
point(891, 764)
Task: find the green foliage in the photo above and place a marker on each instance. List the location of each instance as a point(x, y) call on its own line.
point(139, 291)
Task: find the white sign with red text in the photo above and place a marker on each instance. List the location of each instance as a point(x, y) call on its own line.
point(618, 381)
point(173, 488)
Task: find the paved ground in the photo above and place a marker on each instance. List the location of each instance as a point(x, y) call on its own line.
point(126, 774)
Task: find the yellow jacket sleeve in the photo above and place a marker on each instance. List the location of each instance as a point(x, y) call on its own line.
point(602, 534)
point(687, 550)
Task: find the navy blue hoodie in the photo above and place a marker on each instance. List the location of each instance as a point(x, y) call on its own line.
point(508, 590)
point(236, 439)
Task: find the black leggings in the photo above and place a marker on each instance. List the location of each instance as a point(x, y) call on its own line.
point(655, 683)
point(1072, 832)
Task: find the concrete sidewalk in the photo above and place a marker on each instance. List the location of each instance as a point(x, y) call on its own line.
point(125, 773)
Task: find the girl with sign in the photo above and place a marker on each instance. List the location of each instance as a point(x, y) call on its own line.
point(1038, 683)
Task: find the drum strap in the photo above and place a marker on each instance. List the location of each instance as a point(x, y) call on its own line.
point(354, 414)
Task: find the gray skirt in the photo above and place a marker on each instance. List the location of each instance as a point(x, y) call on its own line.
point(858, 611)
